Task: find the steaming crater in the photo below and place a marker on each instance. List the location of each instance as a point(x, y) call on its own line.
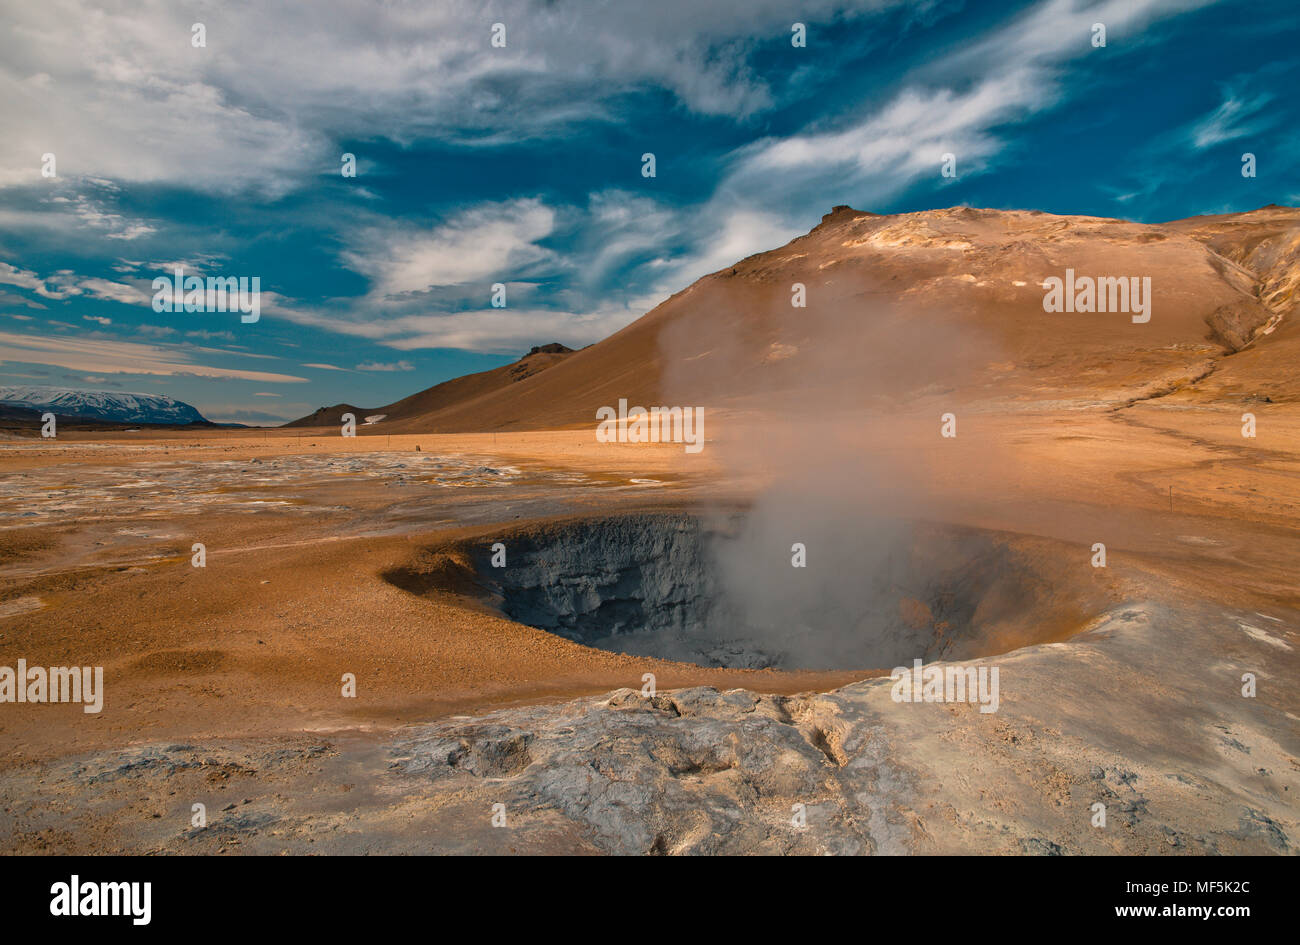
point(722, 592)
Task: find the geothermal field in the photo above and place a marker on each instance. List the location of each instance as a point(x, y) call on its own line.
point(920, 568)
point(604, 428)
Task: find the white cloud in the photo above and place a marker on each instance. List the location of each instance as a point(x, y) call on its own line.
point(100, 356)
point(490, 243)
point(119, 92)
point(1230, 120)
point(11, 275)
point(113, 291)
point(742, 233)
point(386, 366)
point(908, 136)
point(953, 104)
point(506, 331)
point(488, 330)
point(621, 225)
point(66, 284)
point(90, 212)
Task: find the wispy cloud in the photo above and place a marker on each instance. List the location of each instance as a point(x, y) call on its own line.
point(25, 279)
point(485, 330)
point(102, 356)
point(1237, 116)
point(104, 87)
point(66, 284)
point(951, 104)
point(487, 242)
point(112, 291)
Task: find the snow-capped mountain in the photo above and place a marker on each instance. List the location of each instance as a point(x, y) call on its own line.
point(111, 406)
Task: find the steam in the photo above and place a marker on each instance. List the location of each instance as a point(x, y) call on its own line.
point(837, 431)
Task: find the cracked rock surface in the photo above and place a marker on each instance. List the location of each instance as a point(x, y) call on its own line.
point(703, 771)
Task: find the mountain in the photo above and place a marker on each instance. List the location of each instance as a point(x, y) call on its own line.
point(331, 416)
point(939, 306)
point(102, 406)
point(445, 395)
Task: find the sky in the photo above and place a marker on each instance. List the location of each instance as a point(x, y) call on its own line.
point(522, 164)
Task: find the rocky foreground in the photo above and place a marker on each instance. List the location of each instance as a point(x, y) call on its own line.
point(1144, 714)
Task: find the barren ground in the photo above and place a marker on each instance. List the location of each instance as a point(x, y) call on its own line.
point(223, 684)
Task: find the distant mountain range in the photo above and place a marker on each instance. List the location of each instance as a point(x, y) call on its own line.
point(102, 406)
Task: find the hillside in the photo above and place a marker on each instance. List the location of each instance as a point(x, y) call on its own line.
point(446, 395)
point(946, 305)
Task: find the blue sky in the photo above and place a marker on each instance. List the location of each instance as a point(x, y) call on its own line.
point(522, 165)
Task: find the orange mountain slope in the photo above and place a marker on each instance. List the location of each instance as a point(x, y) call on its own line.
point(941, 303)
